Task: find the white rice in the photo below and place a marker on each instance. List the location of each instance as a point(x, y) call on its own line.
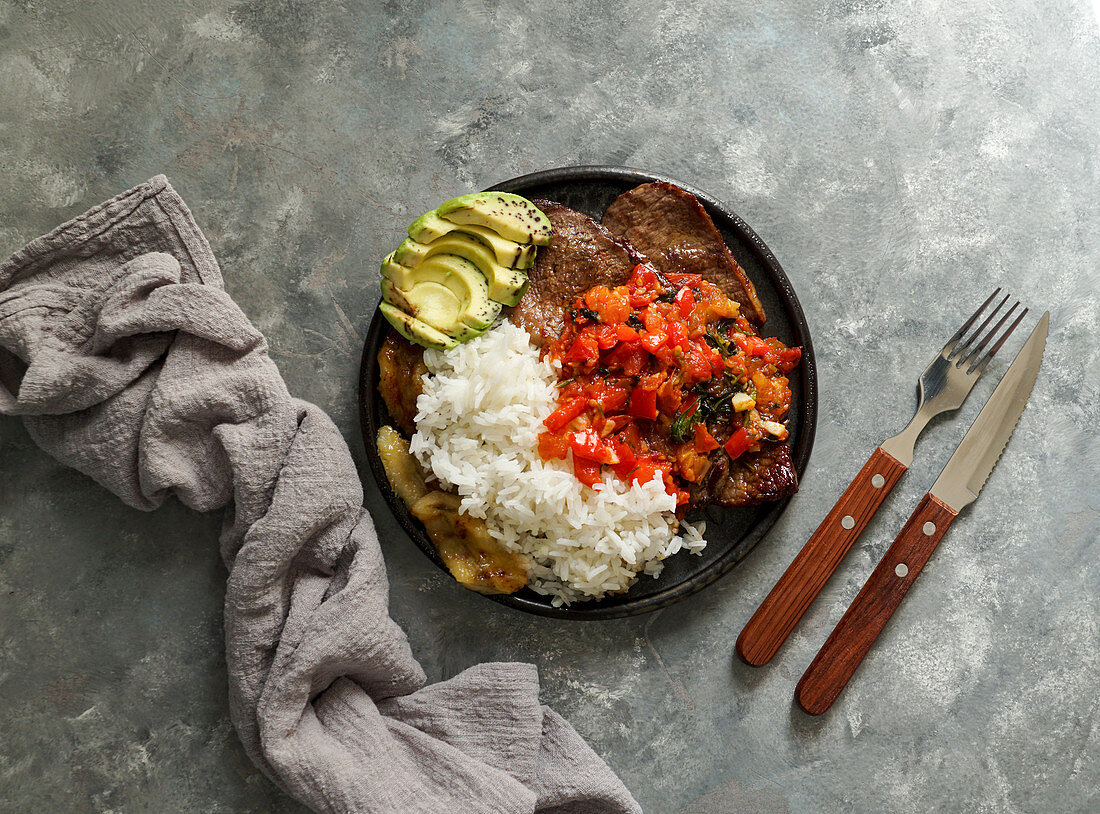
point(477, 423)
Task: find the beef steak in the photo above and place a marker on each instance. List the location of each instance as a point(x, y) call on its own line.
point(581, 254)
point(754, 478)
point(670, 227)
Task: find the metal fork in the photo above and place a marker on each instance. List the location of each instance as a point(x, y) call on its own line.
point(947, 382)
point(944, 386)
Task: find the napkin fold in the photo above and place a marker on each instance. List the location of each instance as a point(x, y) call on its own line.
point(130, 363)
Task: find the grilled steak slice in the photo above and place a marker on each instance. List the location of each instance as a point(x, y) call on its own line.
point(581, 254)
point(670, 227)
point(754, 478)
point(400, 366)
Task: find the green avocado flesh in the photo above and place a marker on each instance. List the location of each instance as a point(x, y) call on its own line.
point(506, 285)
point(430, 227)
point(445, 291)
point(511, 216)
point(462, 263)
point(414, 330)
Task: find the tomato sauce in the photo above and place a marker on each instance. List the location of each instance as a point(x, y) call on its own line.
point(657, 374)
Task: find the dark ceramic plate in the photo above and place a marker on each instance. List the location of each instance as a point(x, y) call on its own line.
point(731, 533)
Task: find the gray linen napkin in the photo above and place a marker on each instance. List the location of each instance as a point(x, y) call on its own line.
point(130, 363)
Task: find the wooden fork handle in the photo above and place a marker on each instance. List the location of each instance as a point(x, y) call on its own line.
point(800, 584)
point(872, 608)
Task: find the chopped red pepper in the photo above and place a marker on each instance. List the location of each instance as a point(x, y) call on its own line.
point(627, 459)
point(552, 446)
point(652, 341)
point(624, 452)
point(625, 333)
point(611, 396)
point(752, 345)
point(588, 444)
point(739, 442)
point(676, 335)
point(587, 472)
point(564, 414)
point(666, 355)
point(585, 348)
point(686, 300)
point(644, 471)
point(704, 441)
point(643, 403)
point(686, 280)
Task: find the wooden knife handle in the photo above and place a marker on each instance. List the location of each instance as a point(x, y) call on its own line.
point(804, 578)
point(872, 608)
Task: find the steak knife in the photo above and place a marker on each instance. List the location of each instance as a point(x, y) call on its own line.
point(957, 486)
point(943, 387)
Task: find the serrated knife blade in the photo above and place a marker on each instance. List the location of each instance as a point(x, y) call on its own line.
point(969, 467)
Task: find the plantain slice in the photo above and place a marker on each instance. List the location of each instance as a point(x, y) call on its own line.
point(470, 553)
point(473, 557)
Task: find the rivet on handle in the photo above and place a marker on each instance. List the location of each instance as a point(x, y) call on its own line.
point(901, 569)
point(848, 522)
point(929, 528)
point(877, 481)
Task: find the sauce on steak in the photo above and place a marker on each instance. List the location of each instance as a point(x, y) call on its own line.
point(581, 254)
point(670, 227)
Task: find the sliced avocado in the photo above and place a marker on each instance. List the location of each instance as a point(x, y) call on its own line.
point(434, 305)
point(511, 216)
point(510, 254)
point(479, 310)
point(430, 226)
point(414, 330)
point(446, 291)
point(506, 285)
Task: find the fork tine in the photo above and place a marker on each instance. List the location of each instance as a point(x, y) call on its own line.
point(949, 348)
point(972, 354)
point(964, 349)
point(978, 367)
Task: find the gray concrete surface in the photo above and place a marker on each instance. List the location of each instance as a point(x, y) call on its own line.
point(900, 159)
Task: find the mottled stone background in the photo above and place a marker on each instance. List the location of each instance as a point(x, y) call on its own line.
point(901, 159)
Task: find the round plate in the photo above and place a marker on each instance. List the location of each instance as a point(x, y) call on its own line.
point(731, 533)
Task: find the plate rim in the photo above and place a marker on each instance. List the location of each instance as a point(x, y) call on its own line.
point(801, 449)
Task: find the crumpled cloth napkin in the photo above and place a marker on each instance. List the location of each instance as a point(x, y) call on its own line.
point(130, 363)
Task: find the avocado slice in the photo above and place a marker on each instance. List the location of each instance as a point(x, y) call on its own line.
point(430, 227)
point(506, 285)
point(414, 330)
point(446, 291)
point(510, 254)
point(433, 305)
point(511, 216)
